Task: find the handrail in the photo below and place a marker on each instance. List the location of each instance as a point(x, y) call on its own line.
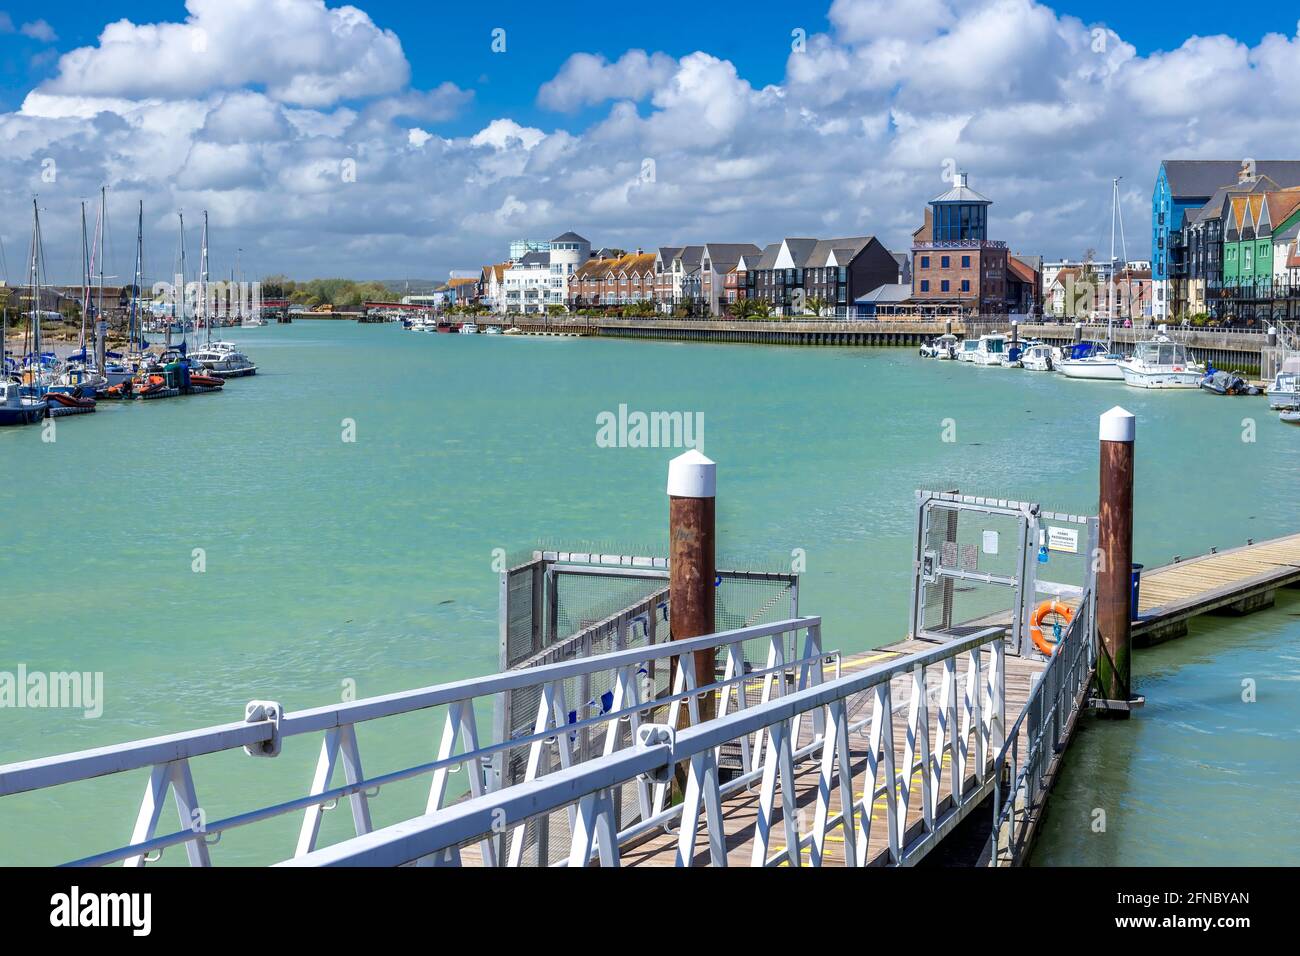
point(589, 785)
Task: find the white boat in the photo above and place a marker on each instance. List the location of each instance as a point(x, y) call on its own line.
point(492, 330)
point(990, 350)
point(1291, 416)
point(252, 321)
point(967, 351)
point(1091, 360)
point(1040, 357)
point(944, 347)
point(1284, 391)
point(513, 330)
point(1161, 363)
point(223, 360)
point(469, 328)
point(80, 379)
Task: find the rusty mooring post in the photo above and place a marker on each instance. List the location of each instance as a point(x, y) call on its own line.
point(692, 559)
point(1114, 563)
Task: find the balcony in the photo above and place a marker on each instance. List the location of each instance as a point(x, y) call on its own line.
point(961, 244)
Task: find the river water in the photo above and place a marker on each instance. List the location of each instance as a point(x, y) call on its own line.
point(205, 551)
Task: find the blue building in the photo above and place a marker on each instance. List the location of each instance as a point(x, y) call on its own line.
point(1185, 185)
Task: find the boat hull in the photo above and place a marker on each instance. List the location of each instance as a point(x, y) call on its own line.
point(1092, 371)
point(1161, 379)
point(21, 414)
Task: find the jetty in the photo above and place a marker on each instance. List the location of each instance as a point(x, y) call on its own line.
point(657, 710)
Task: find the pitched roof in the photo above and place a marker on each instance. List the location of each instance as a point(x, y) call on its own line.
point(767, 259)
point(569, 237)
point(724, 255)
point(535, 260)
point(690, 256)
point(666, 254)
point(890, 292)
point(1281, 203)
point(1022, 270)
point(1191, 178)
point(453, 283)
point(1214, 208)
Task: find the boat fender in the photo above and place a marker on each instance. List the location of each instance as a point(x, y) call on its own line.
point(1036, 624)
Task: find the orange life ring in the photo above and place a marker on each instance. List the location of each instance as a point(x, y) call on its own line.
point(1036, 623)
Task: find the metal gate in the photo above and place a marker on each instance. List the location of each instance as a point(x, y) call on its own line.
point(983, 562)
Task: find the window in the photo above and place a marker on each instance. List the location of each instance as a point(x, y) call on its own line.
point(944, 262)
point(925, 262)
point(965, 285)
point(943, 286)
point(844, 273)
point(925, 285)
point(965, 262)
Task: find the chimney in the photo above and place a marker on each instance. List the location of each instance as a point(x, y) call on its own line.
point(1247, 172)
point(960, 180)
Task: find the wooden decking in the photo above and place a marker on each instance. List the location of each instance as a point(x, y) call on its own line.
point(1235, 581)
point(741, 810)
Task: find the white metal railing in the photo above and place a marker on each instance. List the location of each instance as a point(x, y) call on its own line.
point(1020, 766)
point(962, 726)
point(267, 725)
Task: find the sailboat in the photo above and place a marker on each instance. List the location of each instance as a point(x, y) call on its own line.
point(1093, 360)
point(81, 374)
point(216, 359)
point(38, 374)
point(15, 407)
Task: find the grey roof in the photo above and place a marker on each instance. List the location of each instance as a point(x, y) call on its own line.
point(569, 237)
point(960, 192)
point(690, 256)
point(845, 249)
point(888, 293)
point(1286, 235)
point(1034, 262)
point(723, 256)
point(801, 250)
point(666, 255)
point(535, 259)
point(606, 252)
point(1214, 208)
point(768, 258)
point(1193, 178)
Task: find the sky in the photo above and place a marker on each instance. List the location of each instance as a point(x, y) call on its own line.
point(389, 140)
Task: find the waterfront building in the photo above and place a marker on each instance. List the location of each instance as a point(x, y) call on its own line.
point(956, 268)
point(615, 281)
point(804, 276)
point(664, 257)
point(491, 286)
point(1025, 285)
point(735, 283)
point(540, 280)
point(521, 247)
point(1182, 188)
point(717, 260)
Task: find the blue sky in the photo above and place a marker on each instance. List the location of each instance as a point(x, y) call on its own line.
point(457, 149)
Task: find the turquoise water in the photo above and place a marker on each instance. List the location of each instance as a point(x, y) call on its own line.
point(330, 562)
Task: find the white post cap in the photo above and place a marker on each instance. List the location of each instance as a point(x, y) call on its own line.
point(1272, 330)
point(692, 476)
point(1118, 425)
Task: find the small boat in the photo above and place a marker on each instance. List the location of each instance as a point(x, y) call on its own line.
point(1091, 360)
point(223, 360)
point(1040, 357)
point(1228, 383)
point(967, 351)
point(59, 404)
point(80, 378)
point(469, 328)
point(16, 408)
point(446, 327)
point(513, 330)
point(1284, 391)
point(1291, 416)
point(944, 347)
point(990, 350)
point(492, 330)
point(1161, 363)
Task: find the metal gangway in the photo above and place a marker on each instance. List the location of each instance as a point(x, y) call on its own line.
point(813, 757)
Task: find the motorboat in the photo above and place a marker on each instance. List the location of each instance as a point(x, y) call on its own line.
point(1291, 416)
point(469, 328)
point(78, 378)
point(446, 327)
point(967, 351)
point(944, 347)
point(1228, 383)
point(17, 408)
point(1161, 363)
point(492, 330)
point(1284, 391)
point(990, 350)
point(223, 359)
point(1091, 360)
point(58, 404)
point(1040, 357)
point(513, 330)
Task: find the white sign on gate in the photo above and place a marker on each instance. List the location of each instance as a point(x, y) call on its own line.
point(1063, 539)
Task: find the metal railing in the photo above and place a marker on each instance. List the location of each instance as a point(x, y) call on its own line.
point(557, 724)
point(961, 727)
point(1053, 703)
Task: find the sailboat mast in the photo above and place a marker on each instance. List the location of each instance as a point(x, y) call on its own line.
point(203, 278)
point(184, 335)
point(103, 211)
point(85, 276)
point(137, 278)
point(36, 288)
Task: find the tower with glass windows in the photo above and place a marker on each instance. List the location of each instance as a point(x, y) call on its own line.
point(960, 214)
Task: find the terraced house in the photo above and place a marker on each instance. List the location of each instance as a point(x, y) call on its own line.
point(803, 276)
point(717, 260)
point(613, 281)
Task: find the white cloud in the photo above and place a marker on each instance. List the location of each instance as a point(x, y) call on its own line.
point(586, 79)
point(318, 157)
point(37, 30)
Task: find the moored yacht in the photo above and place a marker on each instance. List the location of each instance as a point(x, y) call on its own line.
point(990, 350)
point(469, 328)
point(17, 408)
point(1091, 360)
point(944, 347)
point(1040, 357)
point(967, 351)
point(1284, 391)
point(1161, 363)
point(224, 360)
